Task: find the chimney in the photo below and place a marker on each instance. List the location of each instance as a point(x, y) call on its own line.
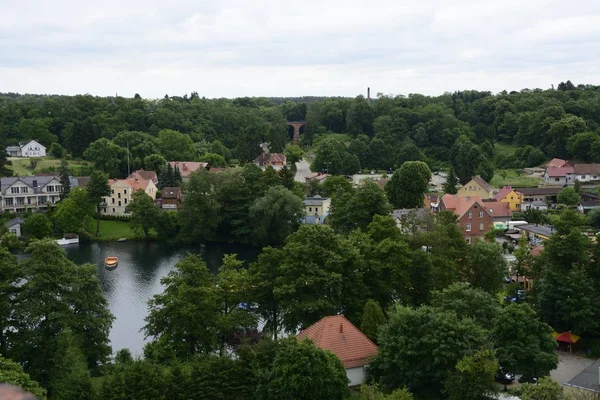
point(369, 95)
point(341, 328)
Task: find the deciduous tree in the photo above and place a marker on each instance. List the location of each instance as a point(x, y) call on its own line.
point(37, 226)
point(144, 213)
point(372, 320)
point(408, 184)
point(97, 188)
point(275, 215)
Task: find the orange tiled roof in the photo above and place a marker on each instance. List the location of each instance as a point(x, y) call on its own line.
point(134, 183)
point(143, 174)
point(557, 163)
point(503, 192)
point(498, 208)
point(343, 339)
point(187, 167)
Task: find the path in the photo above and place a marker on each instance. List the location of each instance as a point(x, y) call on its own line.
point(569, 365)
point(302, 171)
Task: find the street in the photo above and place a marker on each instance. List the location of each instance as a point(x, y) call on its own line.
point(302, 171)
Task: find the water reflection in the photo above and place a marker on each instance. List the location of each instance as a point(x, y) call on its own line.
point(137, 278)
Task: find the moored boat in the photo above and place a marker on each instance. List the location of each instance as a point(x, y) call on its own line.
point(111, 262)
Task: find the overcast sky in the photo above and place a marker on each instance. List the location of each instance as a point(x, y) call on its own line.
point(231, 48)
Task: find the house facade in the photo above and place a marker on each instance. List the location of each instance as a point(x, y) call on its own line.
point(316, 209)
point(121, 194)
point(546, 194)
point(586, 172)
point(342, 338)
point(499, 211)
point(559, 176)
point(187, 167)
point(143, 174)
point(170, 198)
point(31, 192)
point(472, 215)
point(535, 205)
point(15, 226)
point(476, 187)
point(510, 196)
point(275, 160)
point(29, 148)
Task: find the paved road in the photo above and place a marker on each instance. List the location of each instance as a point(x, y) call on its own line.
point(302, 171)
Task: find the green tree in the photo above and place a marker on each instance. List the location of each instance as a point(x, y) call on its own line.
point(73, 213)
point(70, 378)
point(451, 182)
point(106, 156)
point(9, 276)
point(336, 185)
point(371, 392)
point(467, 302)
point(144, 213)
point(356, 209)
point(524, 344)
point(183, 319)
point(485, 266)
point(175, 146)
point(360, 116)
point(65, 182)
point(545, 389)
point(12, 373)
point(5, 165)
point(293, 154)
point(419, 348)
point(465, 158)
point(372, 320)
point(214, 160)
point(155, 162)
point(287, 177)
point(200, 209)
point(97, 188)
point(473, 378)
point(408, 184)
point(582, 145)
point(57, 150)
point(263, 275)
point(303, 371)
point(275, 215)
point(568, 196)
point(141, 379)
point(556, 138)
point(37, 226)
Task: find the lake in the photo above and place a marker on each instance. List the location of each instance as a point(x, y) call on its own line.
point(137, 278)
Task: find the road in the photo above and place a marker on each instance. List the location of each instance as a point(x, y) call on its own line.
point(302, 171)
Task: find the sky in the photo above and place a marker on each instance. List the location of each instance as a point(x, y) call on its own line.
point(234, 48)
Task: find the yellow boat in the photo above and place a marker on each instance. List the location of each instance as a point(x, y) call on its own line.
point(111, 262)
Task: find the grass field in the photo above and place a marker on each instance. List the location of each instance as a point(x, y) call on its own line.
point(22, 166)
point(513, 179)
point(505, 149)
point(112, 230)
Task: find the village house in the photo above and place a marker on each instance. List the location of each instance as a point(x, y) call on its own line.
point(170, 198)
point(343, 339)
point(431, 201)
point(476, 187)
point(472, 214)
point(535, 205)
point(404, 216)
point(500, 211)
point(508, 195)
point(121, 194)
point(275, 160)
point(28, 148)
point(586, 172)
point(586, 206)
point(559, 176)
point(316, 209)
point(557, 163)
point(546, 195)
point(15, 226)
point(142, 174)
point(187, 167)
point(31, 192)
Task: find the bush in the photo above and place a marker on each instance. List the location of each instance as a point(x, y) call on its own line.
point(124, 218)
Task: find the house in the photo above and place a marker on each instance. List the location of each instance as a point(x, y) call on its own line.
point(586, 206)
point(29, 148)
point(121, 191)
point(316, 209)
point(403, 215)
point(536, 234)
point(472, 215)
point(536, 205)
point(15, 226)
point(275, 160)
point(431, 201)
point(586, 172)
point(170, 198)
point(557, 163)
point(559, 176)
point(31, 192)
point(317, 176)
point(343, 339)
point(142, 174)
point(586, 384)
point(476, 187)
point(508, 195)
point(499, 210)
point(187, 167)
point(546, 194)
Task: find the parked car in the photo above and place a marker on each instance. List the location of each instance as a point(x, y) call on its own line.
point(504, 377)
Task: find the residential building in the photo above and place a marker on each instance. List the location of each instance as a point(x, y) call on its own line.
point(29, 148)
point(121, 194)
point(536, 234)
point(508, 195)
point(431, 201)
point(275, 160)
point(170, 198)
point(31, 192)
point(317, 176)
point(499, 210)
point(316, 209)
point(343, 339)
point(15, 226)
point(535, 205)
point(546, 194)
point(559, 176)
point(586, 384)
point(143, 174)
point(586, 172)
point(472, 215)
point(402, 216)
point(557, 163)
point(187, 167)
point(476, 187)
point(586, 206)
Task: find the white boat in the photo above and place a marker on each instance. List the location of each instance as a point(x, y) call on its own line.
point(65, 241)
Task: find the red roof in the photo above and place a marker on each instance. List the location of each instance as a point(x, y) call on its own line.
point(498, 208)
point(187, 167)
point(143, 174)
point(343, 339)
point(503, 192)
point(560, 172)
point(270, 159)
point(460, 205)
point(557, 163)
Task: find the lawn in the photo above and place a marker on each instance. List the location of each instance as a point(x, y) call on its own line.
point(505, 149)
point(112, 230)
point(22, 166)
point(513, 179)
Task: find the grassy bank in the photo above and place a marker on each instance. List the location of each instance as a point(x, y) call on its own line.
point(112, 230)
point(22, 167)
point(503, 177)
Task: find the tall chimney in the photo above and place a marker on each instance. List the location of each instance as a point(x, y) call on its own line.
point(369, 95)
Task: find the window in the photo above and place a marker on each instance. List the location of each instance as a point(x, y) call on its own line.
point(480, 214)
point(125, 200)
point(13, 230)
point(119, 195)
point(113, 200)
point(124, 191)
point(468, 227)
point(470, 215)
point(556, 179)
point(14, 190)
point(42, 200)
point(119, 204)
point(8, 201)
point(512, 198)
point(468, 238)
point(50, 188)
point(24, 189)
point(57, 188)
point(112, 191)
point(518, 205)
point(584, 177)
point(20, 201)
point(309, 209)
point(113, 210)
point(481, 226)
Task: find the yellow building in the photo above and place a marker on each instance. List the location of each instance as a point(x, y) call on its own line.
point(316, 209)
point(121, 191)
point(476, 187)
point(512, 197)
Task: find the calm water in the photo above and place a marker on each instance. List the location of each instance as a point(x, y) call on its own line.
point(137, 278)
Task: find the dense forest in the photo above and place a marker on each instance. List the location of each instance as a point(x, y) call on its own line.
point(459, 128)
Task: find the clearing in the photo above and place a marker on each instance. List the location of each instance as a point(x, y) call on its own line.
point(112, 230)
point(503, 177)
point(22, 166)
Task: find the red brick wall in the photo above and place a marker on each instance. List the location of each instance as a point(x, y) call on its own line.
point(475, 221)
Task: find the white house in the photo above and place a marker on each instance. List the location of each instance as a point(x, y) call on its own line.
point(31, 192)
point(29, 149)
point(15, 225)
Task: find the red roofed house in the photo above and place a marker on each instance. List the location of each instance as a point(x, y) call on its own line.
point(472, 215)
point(187, 167)
point(275, 160)
point(557, 163)
point(559, 176)
point(143, 174)
point(510, 196)
point(343, 339)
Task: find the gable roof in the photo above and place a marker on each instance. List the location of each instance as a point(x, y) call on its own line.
point(481, 182)
point(498, 208)
point(133, 183)
point(170, 193)
point(41, 181)
point(26, 142)
point(557, 163)
point(270, 158)
point(503, 192)
point(142, 174)
point(14, 221)
point(315, 200)
point(433, 197)
point(343, 339)
point(460, 205)
point(560, 172)
point(587, 169)
point(187, 167)
point(539, 191)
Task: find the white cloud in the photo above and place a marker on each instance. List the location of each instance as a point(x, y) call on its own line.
point(280, 48)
